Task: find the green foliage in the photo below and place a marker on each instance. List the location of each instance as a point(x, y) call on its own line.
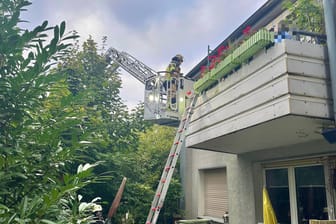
point(114, 132)
point(144, 168)
point(306, 15)
point(60, 107)
point(34, 182)
point(107, 116)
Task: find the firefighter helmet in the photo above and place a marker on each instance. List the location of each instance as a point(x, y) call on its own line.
point(179, 57)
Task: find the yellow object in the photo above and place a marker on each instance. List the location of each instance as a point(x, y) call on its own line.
point(268, 211)
point(172, 70)
point(314, 221)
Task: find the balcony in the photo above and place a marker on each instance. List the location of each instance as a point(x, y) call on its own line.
point(281, 97)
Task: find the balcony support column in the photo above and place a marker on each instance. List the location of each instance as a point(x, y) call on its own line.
point(329, 7)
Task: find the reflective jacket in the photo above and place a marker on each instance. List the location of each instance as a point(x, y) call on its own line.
point(173, 70)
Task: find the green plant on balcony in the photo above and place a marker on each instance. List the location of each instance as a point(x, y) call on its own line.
point(220, 68)
point(305, 15)
point(204, 82)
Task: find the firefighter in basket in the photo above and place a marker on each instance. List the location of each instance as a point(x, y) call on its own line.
point(173, 73)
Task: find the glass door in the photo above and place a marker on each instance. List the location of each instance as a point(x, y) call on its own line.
point(310, 193)
point(278, 190)
point(297, 193)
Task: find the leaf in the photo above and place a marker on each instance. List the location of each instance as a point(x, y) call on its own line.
point(53, 45)
point(20, 175)
point(42, 35)
point(12, 218)
point(62, 28)
point(71, 37)
point(44, 24)
point(3, 207)
point(23, 207)
point(56, 33)
point(47, 221)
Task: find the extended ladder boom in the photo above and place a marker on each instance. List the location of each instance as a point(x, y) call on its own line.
point(132, 65)
point(168, 170)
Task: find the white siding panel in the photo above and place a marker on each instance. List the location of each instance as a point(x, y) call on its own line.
point(308, 106)
point(246, 86)
point(306, 86)
point(304, 49)
point(253, 100)
point(307, 67)
point(269, 111)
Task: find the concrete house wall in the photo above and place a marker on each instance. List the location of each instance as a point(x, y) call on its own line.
point(282, 119)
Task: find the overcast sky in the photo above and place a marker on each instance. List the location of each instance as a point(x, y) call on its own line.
point(151, 30)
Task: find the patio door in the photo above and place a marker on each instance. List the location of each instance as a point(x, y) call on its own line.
point(297, 193)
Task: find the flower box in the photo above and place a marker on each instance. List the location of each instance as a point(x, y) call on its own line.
point(203, 83)
point(241, 54)
point(252, 45)
point(223, 68)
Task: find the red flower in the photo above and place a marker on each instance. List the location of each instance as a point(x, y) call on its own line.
point(203, 69)
point(247, 30)
point(212, 65)
point(221, 49)
point(212, 57)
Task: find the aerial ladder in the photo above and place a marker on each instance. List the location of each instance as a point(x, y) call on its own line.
point(160, 109)
point(162, 105)
point(136, 68)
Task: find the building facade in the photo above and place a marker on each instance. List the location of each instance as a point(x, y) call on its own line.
point(261, 125)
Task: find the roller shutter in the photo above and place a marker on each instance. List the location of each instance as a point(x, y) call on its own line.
point(215, 193)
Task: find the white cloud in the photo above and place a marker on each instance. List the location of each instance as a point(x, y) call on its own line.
point(186, 27)
point(132, 92)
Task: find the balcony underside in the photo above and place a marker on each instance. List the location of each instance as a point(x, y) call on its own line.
point(283, 131)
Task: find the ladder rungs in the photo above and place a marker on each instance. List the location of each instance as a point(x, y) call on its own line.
point(156, 208)
point(170, 165)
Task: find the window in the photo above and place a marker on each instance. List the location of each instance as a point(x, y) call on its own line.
point(297, 193)
point(310, 193)
point(278, 190)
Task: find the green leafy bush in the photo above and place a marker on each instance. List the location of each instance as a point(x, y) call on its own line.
point(35, 186)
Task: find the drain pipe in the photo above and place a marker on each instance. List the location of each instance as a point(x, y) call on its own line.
point(329, 17)
point(329, 7)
